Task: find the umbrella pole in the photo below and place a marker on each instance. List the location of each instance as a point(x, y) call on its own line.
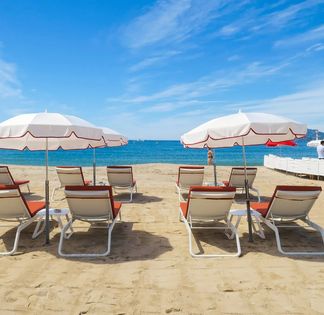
point(247, 193)
point(94, 167)
point(47, 241)
point(215, 171)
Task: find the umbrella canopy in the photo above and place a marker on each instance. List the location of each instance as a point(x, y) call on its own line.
point(112, 139)
point(243, 129)
point(288, 143)
point(47, 132)
point(28, 131)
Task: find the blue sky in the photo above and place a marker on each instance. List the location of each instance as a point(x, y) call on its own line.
point(156, 69)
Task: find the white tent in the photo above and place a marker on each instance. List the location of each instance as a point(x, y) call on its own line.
point(243, 129)
point(47, 132)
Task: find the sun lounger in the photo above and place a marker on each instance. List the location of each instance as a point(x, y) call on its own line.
point(237, 179)
point(14, 208)
point(288, 205)
point(7, 179)
point(206, 207)
point(93, 204)
point(70, 176)
point(189, 176)
point(121, 178)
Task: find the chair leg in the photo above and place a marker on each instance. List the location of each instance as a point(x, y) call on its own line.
point(69, 225)
point(190, 235)
point(39, 229)
point(53, 193)
point(258, 194)
point(20, 227)
point(273, 227)
point(28, 188)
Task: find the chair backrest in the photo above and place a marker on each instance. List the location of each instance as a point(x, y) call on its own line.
point(190, 176)
point(70, 175)
point(237, 176)
point(12, 203)
point(292, 202)
point(210, 202)
point(90, 202)
point(121, 176)
point(5, 176)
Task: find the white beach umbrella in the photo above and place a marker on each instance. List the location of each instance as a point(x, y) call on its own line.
point(243, 129)
point(48, 132)
point(316, 142)
point(112, 139)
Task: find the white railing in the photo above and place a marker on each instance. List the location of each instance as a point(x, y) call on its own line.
point(304, 166)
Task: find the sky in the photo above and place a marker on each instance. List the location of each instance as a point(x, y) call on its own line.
point(156, 69)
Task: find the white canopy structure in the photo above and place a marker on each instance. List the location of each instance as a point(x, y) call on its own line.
point(243, 129)
point(47, 132)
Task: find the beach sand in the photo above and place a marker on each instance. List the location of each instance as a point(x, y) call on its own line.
point(150, 270)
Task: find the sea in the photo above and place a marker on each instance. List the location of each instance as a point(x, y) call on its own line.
point(157, 151)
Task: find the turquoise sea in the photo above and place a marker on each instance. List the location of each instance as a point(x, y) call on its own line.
point(153, 151)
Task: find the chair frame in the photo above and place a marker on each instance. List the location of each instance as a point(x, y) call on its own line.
point(189, 223)
point(24, 221)
point(55, 189)
point(12, 179)
point(182, 189)
point(243, 186)
point(110, 220)
point(131, 189)
point(274, 222)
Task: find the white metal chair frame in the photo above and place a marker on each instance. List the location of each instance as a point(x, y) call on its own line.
point(189, 170)
point(68, 170)
point(24, 218)
point(189, 223)
point(275, 222)
point(11, 179)
point(109, 219)
point(242, 186)
point(117, 188)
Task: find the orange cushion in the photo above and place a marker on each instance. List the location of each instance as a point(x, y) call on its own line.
point(21, 182)
point(184, 208)
point(35, 206)
point(261, 207)
point(117, 206)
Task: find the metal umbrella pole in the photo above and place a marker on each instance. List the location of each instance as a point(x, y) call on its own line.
point(247, 193)
point(47, 240)
point(94, 166)
point(215, 171)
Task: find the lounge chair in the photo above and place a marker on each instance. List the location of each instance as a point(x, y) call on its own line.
point(14, 208)
point(205, 207)
point(7, 179)
point(237, 179)
point(69, 176)
point(93, 204)
point(121, 178)
point(189, 176)
point(288, 205)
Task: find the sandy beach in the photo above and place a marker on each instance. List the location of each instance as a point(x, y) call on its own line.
point(150, 270)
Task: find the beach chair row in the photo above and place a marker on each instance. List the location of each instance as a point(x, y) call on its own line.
point(194, 176)
point(207, 207)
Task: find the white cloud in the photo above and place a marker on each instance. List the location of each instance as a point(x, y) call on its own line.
point(314, 34)
point(305, 105)
point(206, 85)
point(147, 62)
point(171, 21)
point(9, 84)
